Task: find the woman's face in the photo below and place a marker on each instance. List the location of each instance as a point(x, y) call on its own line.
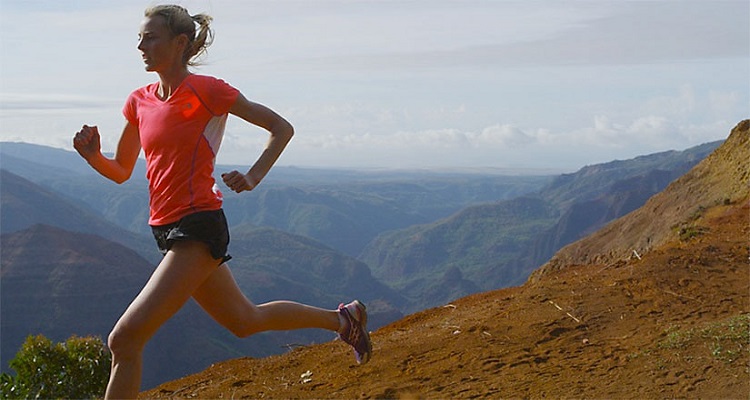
point(159, 49)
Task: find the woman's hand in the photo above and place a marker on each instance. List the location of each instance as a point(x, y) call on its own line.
point(87, 142)
point(239, 182)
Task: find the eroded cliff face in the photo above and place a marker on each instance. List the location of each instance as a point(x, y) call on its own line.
point(722, 178)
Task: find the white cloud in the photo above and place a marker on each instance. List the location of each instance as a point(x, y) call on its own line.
point(678, 105)
point(503, 136)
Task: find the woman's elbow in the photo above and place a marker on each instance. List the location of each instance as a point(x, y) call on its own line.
point(285, 130)
point(291, 133)
point(121, 178)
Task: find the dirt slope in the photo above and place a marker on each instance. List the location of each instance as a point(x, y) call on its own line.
point(668, 325)
point(670, 322)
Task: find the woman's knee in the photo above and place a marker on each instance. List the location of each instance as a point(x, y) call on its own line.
point(251, 323)
point(243, 329)
point(124, 342)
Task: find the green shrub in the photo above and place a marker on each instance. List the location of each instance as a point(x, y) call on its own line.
point(76, 369)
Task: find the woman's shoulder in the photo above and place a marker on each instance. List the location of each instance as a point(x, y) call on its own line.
point(205, 80)
point(212, 89)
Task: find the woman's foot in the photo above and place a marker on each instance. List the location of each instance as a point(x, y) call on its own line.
point(354, 330)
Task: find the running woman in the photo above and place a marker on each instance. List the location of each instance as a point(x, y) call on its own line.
point(179, 123)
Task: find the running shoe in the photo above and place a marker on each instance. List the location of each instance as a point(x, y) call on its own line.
point(355, 333)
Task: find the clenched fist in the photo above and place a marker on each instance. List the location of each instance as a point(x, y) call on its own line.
point(87, 142)
point(238, 182)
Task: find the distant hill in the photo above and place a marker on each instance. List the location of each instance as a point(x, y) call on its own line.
point(342, 209)
point(66, 175)
point(270, 264)
point(475, 247)
point(596, 180)
point(347, 215)
point(32, 160)
point(57, 283)
point(670, 322)
point(28, 160)
point(24, 204)
point(593, 210)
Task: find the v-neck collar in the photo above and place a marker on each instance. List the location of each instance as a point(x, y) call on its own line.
point(174, 92)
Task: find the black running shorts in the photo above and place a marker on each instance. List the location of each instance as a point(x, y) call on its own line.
point(209, 227)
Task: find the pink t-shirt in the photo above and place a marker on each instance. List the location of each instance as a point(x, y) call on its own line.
point(180, 138)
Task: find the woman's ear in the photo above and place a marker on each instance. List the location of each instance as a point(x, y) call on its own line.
point(182, 41)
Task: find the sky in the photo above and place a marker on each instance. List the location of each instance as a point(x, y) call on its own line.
point(431, 84)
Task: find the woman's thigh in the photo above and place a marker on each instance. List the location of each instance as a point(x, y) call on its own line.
point(182, 270)
point(222, 298)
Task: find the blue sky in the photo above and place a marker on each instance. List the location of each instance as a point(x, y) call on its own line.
point(405, 84)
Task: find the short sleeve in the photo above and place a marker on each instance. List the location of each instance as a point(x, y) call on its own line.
point(129, 110)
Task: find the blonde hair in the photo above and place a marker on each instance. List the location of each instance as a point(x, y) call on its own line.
point(179, 22)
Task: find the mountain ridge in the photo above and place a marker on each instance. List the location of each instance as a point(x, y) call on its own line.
point(25, 204)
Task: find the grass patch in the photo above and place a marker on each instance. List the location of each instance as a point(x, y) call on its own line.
point(686, 233)
point(726, 340)
point(690, 229)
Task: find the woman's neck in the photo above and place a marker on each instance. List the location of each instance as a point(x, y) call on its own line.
point(169, 82)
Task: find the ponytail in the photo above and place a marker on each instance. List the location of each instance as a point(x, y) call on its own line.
point(203, 38)
point(179, 22)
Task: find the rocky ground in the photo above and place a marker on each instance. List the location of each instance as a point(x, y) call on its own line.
point(669, 323)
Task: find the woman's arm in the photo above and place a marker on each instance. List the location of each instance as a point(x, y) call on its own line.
point(281, 133)
point(88, 144)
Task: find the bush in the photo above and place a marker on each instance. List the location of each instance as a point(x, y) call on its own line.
point(76, 369)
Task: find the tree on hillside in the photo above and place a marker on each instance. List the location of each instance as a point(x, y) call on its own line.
point(76, 369)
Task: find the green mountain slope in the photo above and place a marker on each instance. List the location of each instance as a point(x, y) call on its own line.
point(476, 245)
